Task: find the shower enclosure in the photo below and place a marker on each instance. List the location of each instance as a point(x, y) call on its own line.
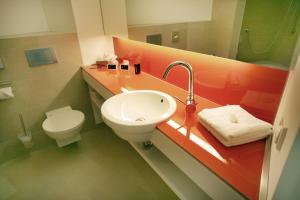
point(269, 33)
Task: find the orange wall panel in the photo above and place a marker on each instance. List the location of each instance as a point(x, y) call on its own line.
point(257, 89)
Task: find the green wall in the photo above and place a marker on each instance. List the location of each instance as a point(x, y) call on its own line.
point(274, 28)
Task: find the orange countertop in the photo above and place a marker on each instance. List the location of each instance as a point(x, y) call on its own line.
point(239, 166)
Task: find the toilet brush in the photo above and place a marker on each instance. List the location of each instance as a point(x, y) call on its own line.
point(25, 137)
point(23, 124)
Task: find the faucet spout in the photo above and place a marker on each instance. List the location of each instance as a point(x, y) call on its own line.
point(190, 98)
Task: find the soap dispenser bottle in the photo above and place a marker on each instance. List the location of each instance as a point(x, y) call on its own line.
point(137, 68)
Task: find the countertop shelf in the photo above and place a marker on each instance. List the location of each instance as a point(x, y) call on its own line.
point(239, 166)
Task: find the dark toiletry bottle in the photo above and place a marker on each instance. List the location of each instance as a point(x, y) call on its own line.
point(137, 68)
point(111, 66)
point(125, 65)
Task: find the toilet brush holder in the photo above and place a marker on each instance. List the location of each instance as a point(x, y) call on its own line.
point(26, 139)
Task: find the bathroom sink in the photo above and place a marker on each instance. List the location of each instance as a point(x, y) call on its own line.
point(133, 115)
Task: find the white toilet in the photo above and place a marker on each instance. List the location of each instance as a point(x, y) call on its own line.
point(64, 125)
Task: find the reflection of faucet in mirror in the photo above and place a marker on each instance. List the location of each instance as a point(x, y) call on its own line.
point(190, 98)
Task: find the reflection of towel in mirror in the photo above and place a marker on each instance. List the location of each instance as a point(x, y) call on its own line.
point(232, 125)
point(6, 93)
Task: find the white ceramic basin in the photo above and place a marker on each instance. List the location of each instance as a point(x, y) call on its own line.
point(133, 115)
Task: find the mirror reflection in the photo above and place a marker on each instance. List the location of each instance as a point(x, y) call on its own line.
point(262, 32)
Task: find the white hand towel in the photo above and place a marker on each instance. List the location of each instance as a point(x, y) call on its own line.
point(6, 93)
point(232, 125)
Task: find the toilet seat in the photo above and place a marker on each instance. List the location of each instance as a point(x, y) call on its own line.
point(62, 121)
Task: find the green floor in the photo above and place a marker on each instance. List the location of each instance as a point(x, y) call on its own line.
point(100, 166)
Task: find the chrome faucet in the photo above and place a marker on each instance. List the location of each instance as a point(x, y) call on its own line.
point(190, 98)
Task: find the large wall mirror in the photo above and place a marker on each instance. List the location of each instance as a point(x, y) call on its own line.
point(262, 32)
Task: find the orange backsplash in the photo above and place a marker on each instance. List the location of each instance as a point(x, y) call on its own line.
point(257, 89)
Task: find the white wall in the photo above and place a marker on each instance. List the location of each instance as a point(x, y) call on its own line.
point(88, 20)
point(21, 17)
point(151, 12)
point(224, 30)
point(201, 38)
point(95, 26)
point(59, 15)
point(114, 17)
point(220, 36)
point(289, 110)
point(237, 25)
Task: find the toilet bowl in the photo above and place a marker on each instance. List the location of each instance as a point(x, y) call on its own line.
point(64, 125)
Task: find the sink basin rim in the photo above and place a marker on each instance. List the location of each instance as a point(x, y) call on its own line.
point(169, 113)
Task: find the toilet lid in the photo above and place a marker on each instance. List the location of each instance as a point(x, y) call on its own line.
point(63, 121)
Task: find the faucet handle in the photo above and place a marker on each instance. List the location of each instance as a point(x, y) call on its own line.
point(176, 97)
point(185, 103)
point(188, 107)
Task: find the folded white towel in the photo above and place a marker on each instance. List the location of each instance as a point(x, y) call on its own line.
point(232, 125)
point(6, 93)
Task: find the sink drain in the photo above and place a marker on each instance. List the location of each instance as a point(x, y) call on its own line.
point(140, 119)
